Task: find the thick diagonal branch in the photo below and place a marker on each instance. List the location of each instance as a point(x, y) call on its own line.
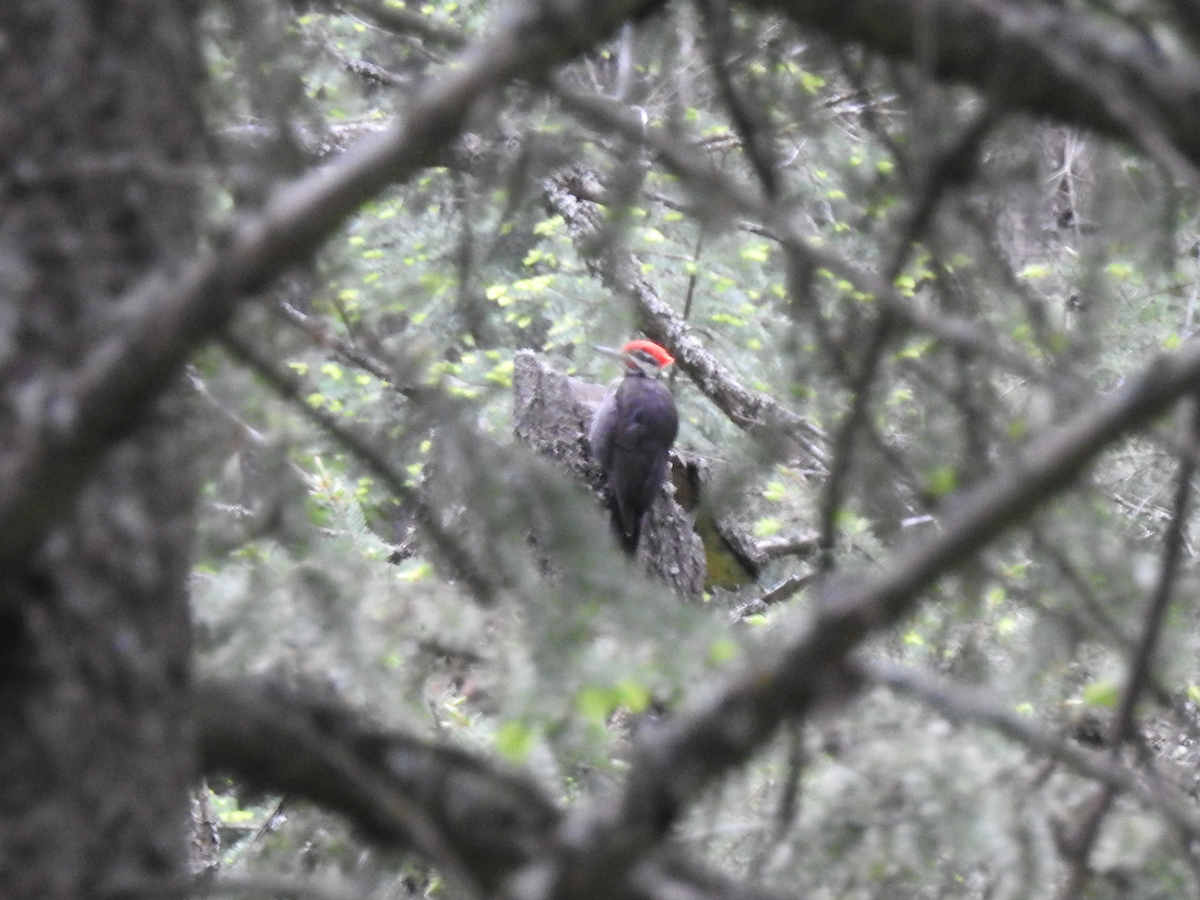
point(450, 807)
point(152, 330)
point(966, 703)
point(495, 829)
point(1045, 59)
point(722, 731)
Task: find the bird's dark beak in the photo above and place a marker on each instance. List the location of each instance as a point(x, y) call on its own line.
point(610, 351)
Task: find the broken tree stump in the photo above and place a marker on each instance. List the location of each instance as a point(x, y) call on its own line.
point(552, 412)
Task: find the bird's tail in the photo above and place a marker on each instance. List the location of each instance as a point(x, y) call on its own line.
point(627, 542)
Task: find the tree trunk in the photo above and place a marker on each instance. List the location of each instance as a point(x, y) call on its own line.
point(100, 132)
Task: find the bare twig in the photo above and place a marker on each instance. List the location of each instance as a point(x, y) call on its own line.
point(448, 549)
point(152, 330)
point(324, 337)
point(1077, 847)
point(943, 171)
point(799, 545)
point(1045, 59)
point(721, 731)
point(364, 69)
point(750, 122)
point(400, 20)
point(1141, 663)
point(789, 801)
point(842, 450)
point(967, 703)
point(255, 885)
point(393, 786)
point(785, 590)
point(502, 827)
point(573, 196)
point(725, 195)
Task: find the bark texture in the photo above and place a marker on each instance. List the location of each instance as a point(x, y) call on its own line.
point(99, 130)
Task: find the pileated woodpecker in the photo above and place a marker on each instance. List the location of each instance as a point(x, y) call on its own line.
point(631, 434)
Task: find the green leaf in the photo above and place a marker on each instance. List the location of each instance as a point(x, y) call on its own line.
point(1101, 693)
point(596, 704)
point(633, 695)
point(811, 83)
point(941, 481)
point(722, 650)
point(418, 572)
point(767, 526)
point(756, 252)
point(726, 319)
point(775, 492)
point(514, 741)
point(916, 349)
point(501, 374)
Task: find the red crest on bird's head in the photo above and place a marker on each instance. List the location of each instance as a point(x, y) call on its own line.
point(659, 354)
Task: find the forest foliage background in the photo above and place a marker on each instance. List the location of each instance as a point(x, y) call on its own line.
point(1030, 268)
point(929, 273)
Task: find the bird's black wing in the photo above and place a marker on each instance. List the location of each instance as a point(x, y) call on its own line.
point(645, 427)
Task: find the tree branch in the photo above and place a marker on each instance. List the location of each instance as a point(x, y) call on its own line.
point(1043, 59)
point(1077, 846)
point(722, 730)
point(964, 703)
point(615, 843)
point(283, 886)
point(450, 807)
point(155, 327)
point(448, 549)
point(1141, 666)
point(576, 196)
point(400, 20)
point(721, 195)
